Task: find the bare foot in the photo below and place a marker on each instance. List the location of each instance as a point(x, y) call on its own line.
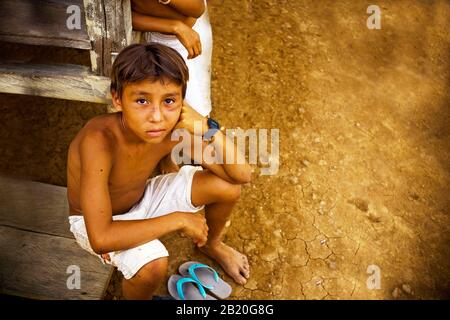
point(234, 263)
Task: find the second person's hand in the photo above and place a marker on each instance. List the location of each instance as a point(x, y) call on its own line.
point(190, 39)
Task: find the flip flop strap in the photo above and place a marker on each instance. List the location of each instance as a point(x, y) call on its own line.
point(184, 280)
point(195, 266)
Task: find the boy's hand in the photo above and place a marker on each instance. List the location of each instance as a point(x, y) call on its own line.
point(189, 39)
point(189, 117)
point(195, 227)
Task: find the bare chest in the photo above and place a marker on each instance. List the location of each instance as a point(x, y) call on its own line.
point(131, 170)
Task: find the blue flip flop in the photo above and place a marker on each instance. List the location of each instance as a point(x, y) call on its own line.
point(207, 277)
point(185, 288)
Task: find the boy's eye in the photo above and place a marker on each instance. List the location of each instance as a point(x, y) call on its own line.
point(141, 101)
point(169, 101)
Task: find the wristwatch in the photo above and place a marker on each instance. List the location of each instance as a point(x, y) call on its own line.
point(164, 2)
point(213, 126)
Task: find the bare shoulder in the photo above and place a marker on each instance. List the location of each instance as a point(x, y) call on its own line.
point(90, 157)
point(97, 138)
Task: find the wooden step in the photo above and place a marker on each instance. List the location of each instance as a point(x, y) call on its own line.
point(37, 250)
point(43, 22)
point(62, 81)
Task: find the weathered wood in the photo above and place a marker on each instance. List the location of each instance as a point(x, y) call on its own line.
point(118, 29)
point(96, 30)
point(109, 28)
point(71, 82)
point(42, 22)
point(127, 22)
point(137, 36)
point(35, 265)
point(36, 206)
point(37, 247)
point(106, 28)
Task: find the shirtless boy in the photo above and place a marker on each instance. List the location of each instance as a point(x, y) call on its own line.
point(117, 209)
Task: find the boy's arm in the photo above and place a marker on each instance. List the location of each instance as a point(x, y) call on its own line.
point(233, 172)
point(106, 235)
point(226, 149)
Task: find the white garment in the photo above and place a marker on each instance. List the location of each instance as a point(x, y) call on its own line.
point(164, 194)
point(198, 93)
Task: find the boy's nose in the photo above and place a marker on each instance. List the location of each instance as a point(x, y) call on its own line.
point(155, 114)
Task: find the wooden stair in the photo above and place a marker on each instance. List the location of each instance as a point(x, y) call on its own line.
point(37, 247)
point(105, 28)
point(63, 81)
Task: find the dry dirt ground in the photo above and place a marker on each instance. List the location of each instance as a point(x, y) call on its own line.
point(364, 120)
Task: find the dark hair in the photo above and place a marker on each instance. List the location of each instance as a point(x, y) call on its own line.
point(151, 61)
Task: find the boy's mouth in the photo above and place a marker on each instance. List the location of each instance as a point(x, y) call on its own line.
point(155, 133)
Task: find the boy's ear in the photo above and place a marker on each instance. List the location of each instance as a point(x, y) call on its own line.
point(116, 100)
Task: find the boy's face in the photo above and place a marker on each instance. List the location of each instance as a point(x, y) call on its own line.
point(150, 109)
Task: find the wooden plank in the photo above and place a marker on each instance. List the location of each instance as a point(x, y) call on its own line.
point(127, 23)
point(34, 206)
point(42, 22)
point(96, 30)
point(118, 30)
point(71, 82)
point(35, 266)
point(110, 29)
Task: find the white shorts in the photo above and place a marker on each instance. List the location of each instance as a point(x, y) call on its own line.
point(198, 93)
point(164, 194)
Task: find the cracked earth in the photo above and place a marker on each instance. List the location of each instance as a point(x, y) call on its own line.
point(364, 175)
point(364, 119)
point(364, 139)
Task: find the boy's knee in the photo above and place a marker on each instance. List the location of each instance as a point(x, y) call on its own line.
point(231, 192)
point(236, 193)
point(153, 272)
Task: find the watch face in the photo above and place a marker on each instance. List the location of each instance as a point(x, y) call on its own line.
point(213, 124)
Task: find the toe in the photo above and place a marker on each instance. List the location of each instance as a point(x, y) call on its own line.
point(245, 272)
point(246, 264)
point(239, 279)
